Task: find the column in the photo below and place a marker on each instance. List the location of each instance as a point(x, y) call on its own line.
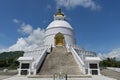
point(89, 69)
point(29, 72)
point(98, 68)
point(19, 69)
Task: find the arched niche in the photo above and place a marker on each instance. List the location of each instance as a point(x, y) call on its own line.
point(59, 39)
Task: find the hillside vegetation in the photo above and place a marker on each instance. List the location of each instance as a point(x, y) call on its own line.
point(9, 59)
point(110, 62)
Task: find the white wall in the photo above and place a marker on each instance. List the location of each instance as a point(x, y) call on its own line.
point(67, 32)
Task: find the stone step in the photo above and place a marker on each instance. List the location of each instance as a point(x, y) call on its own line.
point(59, 60)
point(52, 76)
point(96, 77)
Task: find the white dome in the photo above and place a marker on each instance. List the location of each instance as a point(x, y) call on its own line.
point(59, 23)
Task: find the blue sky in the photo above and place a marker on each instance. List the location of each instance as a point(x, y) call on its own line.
point(96, 23)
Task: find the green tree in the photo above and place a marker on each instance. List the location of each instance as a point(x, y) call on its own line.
point(110, 62)
point(9, 59)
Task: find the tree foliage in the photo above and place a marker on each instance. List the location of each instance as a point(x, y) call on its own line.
point(110, 62)
point(9, 59)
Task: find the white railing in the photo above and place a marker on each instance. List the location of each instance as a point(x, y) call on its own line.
point(71, 49)
point(39, 55)
point(76, 56)
point(41, 58)
point(78, 60)
point(78, 47)
point(68, 48)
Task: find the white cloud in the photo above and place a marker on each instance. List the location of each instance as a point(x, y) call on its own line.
point(26, 28)
point(115, 53)
point(102, 56)
point(36, 37)
point(74, 3)
point(33, 40)
point(2, 50)
point(21, 44)
point(16, 21)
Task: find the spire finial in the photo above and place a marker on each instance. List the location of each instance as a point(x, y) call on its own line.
point(59, 12)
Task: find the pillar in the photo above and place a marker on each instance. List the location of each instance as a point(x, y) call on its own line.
point(29, 72)
point(98, 69)
point(19, 69)
point(89, 72)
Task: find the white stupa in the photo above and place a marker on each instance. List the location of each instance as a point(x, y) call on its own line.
point(59, 27)
point(59, 37)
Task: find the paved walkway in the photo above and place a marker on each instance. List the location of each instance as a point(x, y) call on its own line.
point(111, 73)
point(4, 77)
point(105, 72)
point(9, 73)
point(93, 78)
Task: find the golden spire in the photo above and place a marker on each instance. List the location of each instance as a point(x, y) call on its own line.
point(59, 12)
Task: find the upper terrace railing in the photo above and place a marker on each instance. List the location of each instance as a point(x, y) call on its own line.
point(82, 54)
point(35, 53)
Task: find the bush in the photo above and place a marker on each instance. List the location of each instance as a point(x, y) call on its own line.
point(9, 59)
point(110, 62)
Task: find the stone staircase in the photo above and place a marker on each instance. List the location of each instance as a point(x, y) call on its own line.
point(59, 60)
